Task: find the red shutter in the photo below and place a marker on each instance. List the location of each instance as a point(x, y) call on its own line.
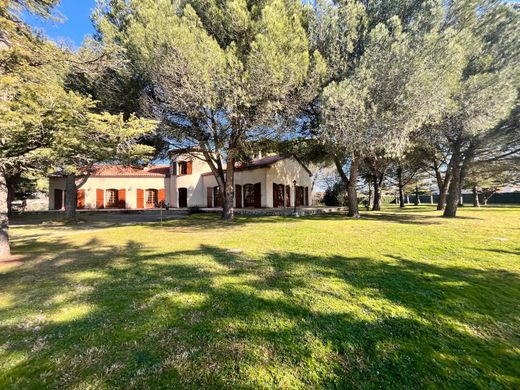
point(258, 195)
point(238, 196)
point(81, 199)
point(306, 196)
point(210, 197)
point(189, 167)
point(162, 197)
point(121, 198)
point(140, 198)
point(275, 195)
point(100, 194)
point(287, 196)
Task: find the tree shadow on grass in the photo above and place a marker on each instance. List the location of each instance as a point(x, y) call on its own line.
point(504, 251)
point(411, 219)
point(128, 317)
point(189, 223)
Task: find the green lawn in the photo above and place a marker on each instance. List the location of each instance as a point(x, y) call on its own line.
point(398, 299)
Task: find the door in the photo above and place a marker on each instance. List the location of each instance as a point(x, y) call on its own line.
point(183, 197)
point(58, 199)
point(209, 197)
point(151, 198)
point(287, 196)
point(217, 197)
point(111, 198)
point(258, 195)
point(278, 195)
point(299, 196)
point(238, 196)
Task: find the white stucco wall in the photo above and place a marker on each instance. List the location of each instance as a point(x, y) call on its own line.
point(193, 183)
point(285, 172)
point(282, 172)
point(130, 184)
point(242, 178)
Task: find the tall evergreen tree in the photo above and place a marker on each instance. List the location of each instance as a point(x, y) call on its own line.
point(218, 74)
point(41, 121)
point(395, 78)
point(489, 32)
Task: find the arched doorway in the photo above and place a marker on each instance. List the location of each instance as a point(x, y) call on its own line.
point(183, 197)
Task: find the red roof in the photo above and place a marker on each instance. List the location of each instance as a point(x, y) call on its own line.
point(125, 170)
point(260, 163)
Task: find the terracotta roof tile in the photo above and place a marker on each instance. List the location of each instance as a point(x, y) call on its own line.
point(264, 162)
point(125, 170)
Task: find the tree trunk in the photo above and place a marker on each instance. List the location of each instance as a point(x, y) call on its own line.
point(369, 194)
point(377, 194)
point(353, 207)
point(71, 197)
point(476, 202)
point(441, 204)
point(454, 189)
point(417, 200)
point(443, 185)
point(12, 183)
point(443, 191)
point(350, 183)
point(400, 185)
point(5, 249)
point(228, 211)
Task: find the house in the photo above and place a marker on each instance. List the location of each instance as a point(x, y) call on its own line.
point(272, 181)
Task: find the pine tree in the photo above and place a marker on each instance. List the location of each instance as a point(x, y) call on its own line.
point(218, 74)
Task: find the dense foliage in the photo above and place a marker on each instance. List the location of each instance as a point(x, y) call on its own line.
point(44, 124)
point(363, 86)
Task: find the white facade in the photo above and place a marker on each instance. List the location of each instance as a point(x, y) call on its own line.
point(273, 181)
point(94, 184)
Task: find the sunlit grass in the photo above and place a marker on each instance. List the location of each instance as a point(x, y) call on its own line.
point(398, 299)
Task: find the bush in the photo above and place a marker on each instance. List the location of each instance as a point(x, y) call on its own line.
point(336, 195)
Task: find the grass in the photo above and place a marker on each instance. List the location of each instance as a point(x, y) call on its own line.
point(398, 299)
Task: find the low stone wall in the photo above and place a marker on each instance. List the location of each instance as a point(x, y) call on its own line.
point(300, 211)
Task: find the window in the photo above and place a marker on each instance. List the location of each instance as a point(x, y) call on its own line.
point(111, 198)
point(183, 168)
point(151, 198)
point(249, 195)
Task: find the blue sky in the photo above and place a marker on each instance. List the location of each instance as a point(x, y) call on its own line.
point(76, 23)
